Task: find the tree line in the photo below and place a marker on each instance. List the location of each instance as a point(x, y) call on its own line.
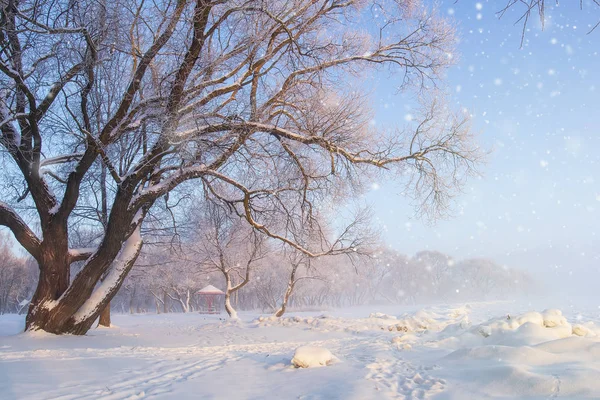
point(163, 281)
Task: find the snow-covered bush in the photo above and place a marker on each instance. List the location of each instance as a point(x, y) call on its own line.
point(550, 324)
point(381, 315)
point(310, 356)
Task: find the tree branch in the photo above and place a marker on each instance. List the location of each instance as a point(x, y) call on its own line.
point(24, 235)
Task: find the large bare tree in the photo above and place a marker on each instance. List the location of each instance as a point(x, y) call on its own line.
point(259, 102)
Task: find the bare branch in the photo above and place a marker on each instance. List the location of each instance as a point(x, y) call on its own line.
point(24, 235)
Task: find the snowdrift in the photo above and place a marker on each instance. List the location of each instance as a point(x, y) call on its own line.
point(311, 356)
point(486, 351)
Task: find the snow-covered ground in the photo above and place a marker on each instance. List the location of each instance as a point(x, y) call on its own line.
point(476, 351)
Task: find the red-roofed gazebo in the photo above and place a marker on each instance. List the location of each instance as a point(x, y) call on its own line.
point(210, 300)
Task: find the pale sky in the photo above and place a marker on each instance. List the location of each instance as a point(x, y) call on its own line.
point(537, 205)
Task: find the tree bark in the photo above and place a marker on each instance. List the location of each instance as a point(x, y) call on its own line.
point(165, 300)
point(231, 290)
point(284, 302)
point(288, 291)
point(58, 307)
point(228, 307)
point(53, 281)
point(105, 317)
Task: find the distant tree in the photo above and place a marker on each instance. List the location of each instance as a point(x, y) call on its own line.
point(16, 279)
point(179, 281)
point(296, 261)
point(438, 269)
point(355, 239)
point(257, 101)
point(227, 245)
point(269, 283)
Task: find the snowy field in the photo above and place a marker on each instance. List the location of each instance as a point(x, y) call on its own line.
point(463, 351)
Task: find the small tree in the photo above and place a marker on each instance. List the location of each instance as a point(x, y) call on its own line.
point(354, 240)
point(230, 247)
point(296, 261)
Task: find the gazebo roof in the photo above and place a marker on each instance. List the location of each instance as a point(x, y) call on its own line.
point(210, 289)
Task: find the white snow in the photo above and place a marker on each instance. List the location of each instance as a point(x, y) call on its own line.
point(312, 356)
point(79, 252)
point(381, 315)
point(482, 350)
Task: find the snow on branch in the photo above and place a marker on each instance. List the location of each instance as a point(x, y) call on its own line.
point(65, 158)
point(80, 254)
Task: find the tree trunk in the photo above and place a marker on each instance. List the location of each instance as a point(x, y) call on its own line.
point(53, 281)
point(184, 306)
point(284, 302)
point(288, 291)
point(105, 317)
point(228, 307)
point(59, 307)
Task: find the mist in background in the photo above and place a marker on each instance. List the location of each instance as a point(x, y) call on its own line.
point(536, 206)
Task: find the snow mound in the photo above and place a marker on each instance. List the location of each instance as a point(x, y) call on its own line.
point(527, 329)
point(424, 321)
point(523, 356)
point(101, 327)
point(311, 356)
point(404, 342)
point(324, 323)
point(549, 324)
point(553, 318)
point(585, 330)
point(456, 313)
point(381, 315)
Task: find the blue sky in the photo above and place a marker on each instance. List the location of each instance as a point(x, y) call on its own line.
point(537, 204)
